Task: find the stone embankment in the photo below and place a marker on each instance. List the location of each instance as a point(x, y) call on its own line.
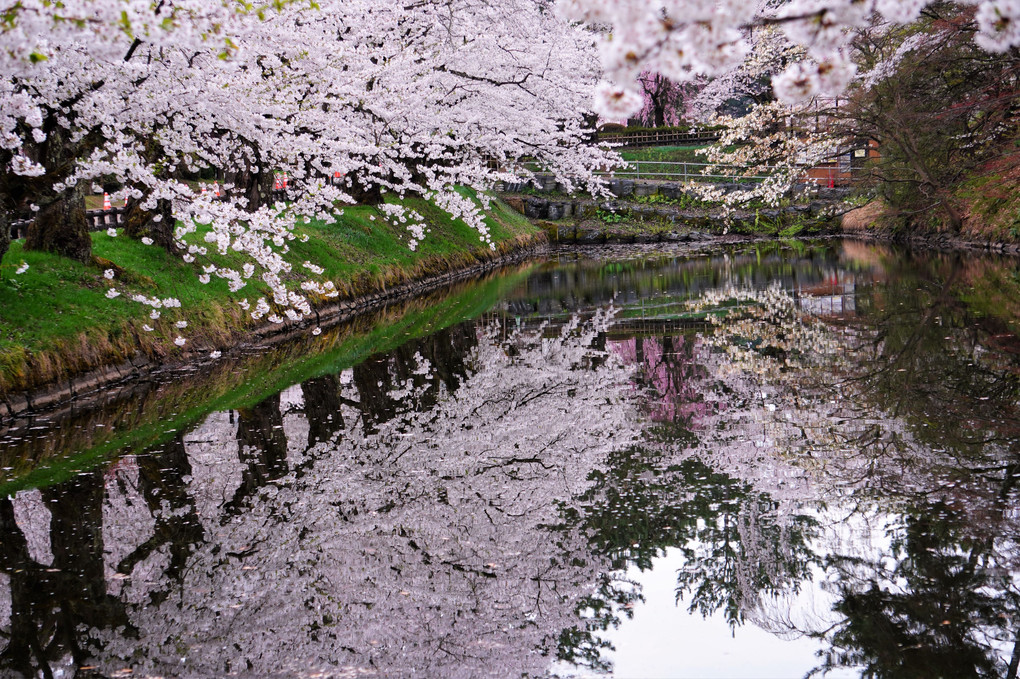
point(869, 223)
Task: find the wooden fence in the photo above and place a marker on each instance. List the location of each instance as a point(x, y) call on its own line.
point(654, 138)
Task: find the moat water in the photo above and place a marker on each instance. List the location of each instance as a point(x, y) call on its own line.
point(772, 460)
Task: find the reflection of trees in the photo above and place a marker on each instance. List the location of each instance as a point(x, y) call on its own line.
point(261, 447)
point(378, 377)
point(322, 400)
point(162, 475)
point(909, 409)
point(946, 606)
point(455, 504)
point(50, 605)
point(934, 367)
point(669, 377)
point(736, 547)
point(626, 278)
point(416, 541)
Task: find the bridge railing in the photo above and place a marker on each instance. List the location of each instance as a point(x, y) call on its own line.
point(661, 170)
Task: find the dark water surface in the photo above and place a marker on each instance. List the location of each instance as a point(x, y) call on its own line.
point(765, 462)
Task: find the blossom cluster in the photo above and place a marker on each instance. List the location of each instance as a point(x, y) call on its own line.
point(687, 39)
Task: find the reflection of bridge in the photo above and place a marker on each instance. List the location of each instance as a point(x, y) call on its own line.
point(659, 290)
point(654, 327)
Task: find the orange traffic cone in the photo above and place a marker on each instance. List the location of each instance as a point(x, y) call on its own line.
point(106, 202)
point(284, 180)
point(203, 189)
point(216, 189)
point(276, 182)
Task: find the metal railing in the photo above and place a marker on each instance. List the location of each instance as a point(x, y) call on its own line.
point(660, 170)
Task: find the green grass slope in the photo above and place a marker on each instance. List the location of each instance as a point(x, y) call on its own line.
point(56, 320)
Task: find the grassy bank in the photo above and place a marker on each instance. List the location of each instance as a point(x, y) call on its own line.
point(665, 154)
point(56, 320)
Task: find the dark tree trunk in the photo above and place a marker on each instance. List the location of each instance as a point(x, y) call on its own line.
point(60, 226)
point(138, 223)
point(660, 112)
point(255, 187)
point(365, 194)
point(5, 233)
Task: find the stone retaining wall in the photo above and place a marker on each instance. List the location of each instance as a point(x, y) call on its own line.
point(665, 218)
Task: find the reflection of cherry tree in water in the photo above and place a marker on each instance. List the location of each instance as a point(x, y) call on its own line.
point(454, 505)
point(321, 398)
point(908, 509)
point(162, 480)
point(668, 375)
point(904, 415)
point(49, 604)
point(262, 449)
point(737, 545)
point(737, 548)
point(377, 378)
point(408, 539)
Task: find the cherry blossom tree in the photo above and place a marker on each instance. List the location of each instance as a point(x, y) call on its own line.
point(665, 102)
point(351, 99)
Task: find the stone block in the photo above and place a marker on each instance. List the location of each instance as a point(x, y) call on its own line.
point(615, 237)
point(672, 191)
point(515, 202)
point(590, 236)
point(622, 187)
point(536, 208)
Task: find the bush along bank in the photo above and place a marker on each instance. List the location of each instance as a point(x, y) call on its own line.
point(648, 212)
point(987, 201)
point(60, 333)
